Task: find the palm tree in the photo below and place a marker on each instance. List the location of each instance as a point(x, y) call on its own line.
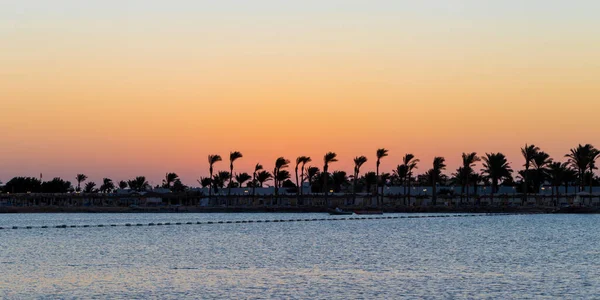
point(90, 187)
point(438, 166)
point(410, 162)
point(557, 173)
point(123, 184)
point(233, 156)
point(223, 176)
point(138, 184)
point(358, 162)
point(107, 185)
point(311, 174)
point(300, 160)
point(370, 180)
point(282, 176)
point(212, 159)
point(169, 179)
point(381, 153)
point(383, 178)
point(257, 168)
point(593, 156)
point(306, 160)
point(242, 177)
point(339, 179)
point(330, 157)
point(401, 172)
point(475, 179)
point(579, 158)
point(468, 163)
point(80, 178)
point(496, 168)
point(280, 163)
point(569, 177)
point(205, 182)
point(529, 152)
point(541, 160)
point(262, 177)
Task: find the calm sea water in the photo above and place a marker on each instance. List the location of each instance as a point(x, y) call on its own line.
point(528, 256)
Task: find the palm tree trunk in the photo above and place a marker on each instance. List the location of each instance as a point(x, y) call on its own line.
point(325, 185)
point(229, 184)
point(302, 181)
point(377, 185)
point(525, 182)
point(210, 186)
point(404, 188)
point(581, 183)
point(297, 188)
point(253, 186)
point(433, 190)
point(354, 188)
point(408, 184)
point(467, 188)
point(591, 182)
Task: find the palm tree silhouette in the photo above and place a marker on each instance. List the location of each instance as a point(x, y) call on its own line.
point(138, 184)
point(381, 153)
point(219, 180)
point(283, 175)
point(204, 181)
point(468, 163)
point(383, 178)
point(169, 180)
point(529, 152)
point(557, 172)
point(300, 160)
point(212, 160)
point(107, 185)
point(257, 168)
point(280, 163)
point(330, 157)
point(123, 184)
point(410, 162)
point(540, 163)
point(80, 178)
point(233, 156)
point(401, 172)
point(262, 177)
point(358, 162)
point(496, 168)
point(438, 166)
point(306, 160)
point(241, 178)
point(311, 174)
point(90, 187)
point(579, 158)
point(339, 179)
point(370, 180)
point(593, 156)
point(475, 179)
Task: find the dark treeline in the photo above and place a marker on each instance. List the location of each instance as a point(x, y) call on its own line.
point(539, 169)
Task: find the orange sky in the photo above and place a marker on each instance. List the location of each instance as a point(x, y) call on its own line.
point(130, 91)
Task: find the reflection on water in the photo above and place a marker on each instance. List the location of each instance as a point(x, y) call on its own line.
point(502, 257)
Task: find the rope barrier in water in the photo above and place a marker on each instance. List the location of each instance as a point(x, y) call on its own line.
point(260, 221)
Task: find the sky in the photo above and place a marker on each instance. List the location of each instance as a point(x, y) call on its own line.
point(125, 88)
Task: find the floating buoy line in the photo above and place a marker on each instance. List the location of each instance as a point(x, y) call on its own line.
point(258, 221)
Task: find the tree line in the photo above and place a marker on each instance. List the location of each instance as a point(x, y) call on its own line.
point(538, 169)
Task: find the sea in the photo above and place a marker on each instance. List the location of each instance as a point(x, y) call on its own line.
point(299, 256)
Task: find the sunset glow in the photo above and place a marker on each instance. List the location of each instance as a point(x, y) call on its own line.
point(144, 88)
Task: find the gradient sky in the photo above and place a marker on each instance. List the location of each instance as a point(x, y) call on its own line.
point(124, 88)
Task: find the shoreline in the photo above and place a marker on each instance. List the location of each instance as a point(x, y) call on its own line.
point(195, 209)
